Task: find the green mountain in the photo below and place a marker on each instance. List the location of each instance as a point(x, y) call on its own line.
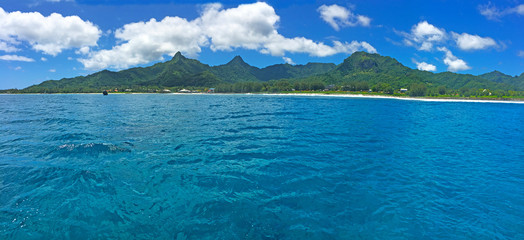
point(498, 77)
point(236, 70)
point(239, 71)
point(374, 69)
point(280, 71)
point(179, 72)
point(359, 72)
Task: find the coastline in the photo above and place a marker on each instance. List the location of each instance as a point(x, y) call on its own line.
point(406, 98)
point(341, 95)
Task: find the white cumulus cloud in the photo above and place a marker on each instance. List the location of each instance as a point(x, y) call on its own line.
point(279, 45)
point(50, 34)
point(520, 53)
point(363, 20)
point(16, 58)
point(83, 50)
point(248, 26)
point(473, 42)
point(424, 36)
point(288, 60)
point(337, 16)
point(426, 66)
point(144, 42)
point(454, 64)
point(353, 47)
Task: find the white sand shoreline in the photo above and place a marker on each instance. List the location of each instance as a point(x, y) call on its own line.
point(393, 97)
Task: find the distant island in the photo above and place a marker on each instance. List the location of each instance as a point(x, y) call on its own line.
point(361, 73)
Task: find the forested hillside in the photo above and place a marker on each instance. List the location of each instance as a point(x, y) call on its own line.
point(359, 72)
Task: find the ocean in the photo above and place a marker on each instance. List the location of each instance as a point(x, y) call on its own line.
point(171, 166)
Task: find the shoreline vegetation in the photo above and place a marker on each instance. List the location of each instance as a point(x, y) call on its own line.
point(360, 74)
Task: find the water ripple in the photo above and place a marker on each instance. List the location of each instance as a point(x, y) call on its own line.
point(88, 149)
point(258, 167)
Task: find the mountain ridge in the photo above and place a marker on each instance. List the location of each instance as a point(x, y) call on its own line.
point(373, 69)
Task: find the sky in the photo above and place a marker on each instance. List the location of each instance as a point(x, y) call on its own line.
point(54, 39)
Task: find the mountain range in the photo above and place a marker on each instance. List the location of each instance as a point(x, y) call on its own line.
point(372, 69)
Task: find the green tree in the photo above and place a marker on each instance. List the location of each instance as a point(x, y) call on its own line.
point(417, 89)
point(442, 90)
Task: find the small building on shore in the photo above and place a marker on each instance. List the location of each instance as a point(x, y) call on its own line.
point(184, 91)
point(329, 87)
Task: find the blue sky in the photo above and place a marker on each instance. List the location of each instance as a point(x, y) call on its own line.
point(52, 39)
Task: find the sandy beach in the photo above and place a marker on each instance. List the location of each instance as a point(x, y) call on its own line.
point(394, 97)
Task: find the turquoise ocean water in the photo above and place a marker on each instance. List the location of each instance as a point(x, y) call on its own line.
point(259, 167)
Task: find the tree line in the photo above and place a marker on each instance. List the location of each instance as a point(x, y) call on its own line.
point(293, 85)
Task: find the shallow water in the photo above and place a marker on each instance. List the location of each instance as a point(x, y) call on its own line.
point(259, 167)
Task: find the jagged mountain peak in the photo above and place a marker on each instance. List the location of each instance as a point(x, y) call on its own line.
point(178, 56)
point(363, 61)
point(494, 73)
point(237, 60)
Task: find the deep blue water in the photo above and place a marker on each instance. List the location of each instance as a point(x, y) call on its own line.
point(259, 167)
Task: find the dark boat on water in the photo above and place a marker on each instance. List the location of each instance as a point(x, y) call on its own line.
point(104, 92)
